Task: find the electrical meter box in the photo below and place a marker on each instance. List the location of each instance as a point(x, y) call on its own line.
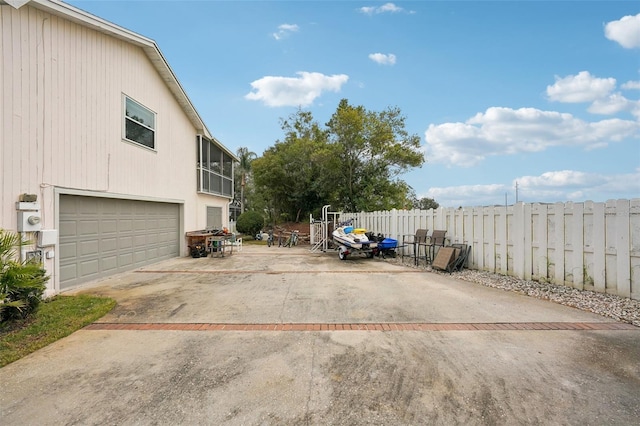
point(29, 221)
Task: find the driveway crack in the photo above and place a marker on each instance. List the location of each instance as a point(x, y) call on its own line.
point(284, 301)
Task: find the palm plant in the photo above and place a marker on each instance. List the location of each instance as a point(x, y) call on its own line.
point(22, 284)
point(246, 157)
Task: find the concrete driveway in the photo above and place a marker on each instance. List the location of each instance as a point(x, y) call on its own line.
point(281, 336)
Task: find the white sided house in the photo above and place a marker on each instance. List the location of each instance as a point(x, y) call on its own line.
point(104, 161)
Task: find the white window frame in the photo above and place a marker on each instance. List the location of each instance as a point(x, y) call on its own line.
point(222, 173)
point(126, 118)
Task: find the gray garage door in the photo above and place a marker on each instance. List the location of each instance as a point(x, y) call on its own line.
point(104, 236)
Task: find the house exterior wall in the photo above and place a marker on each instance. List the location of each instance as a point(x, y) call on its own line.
point(61, 116)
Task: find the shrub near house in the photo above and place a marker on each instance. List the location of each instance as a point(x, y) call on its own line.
point(250, 223)
point(22, 284)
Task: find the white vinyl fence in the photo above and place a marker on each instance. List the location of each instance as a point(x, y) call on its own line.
point(588, 246)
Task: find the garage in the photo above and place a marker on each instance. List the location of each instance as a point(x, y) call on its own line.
point(104, 236)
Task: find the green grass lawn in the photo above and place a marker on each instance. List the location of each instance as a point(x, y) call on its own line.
point(55, 318)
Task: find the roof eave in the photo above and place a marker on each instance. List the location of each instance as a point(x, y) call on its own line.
point(149, 46)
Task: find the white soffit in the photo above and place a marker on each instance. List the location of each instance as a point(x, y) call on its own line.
point(15, 3)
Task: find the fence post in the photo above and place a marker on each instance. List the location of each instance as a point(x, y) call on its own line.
point(458, 228)
point(558, 250)
point(577, 245)
point(634, 244)
point(518, 230)
point(501, 236)
point(623, 264)
point(542, 238)
point(393, 222)
point(599, 248)
point(490, 236)
point(477, 255)
point(528, 241)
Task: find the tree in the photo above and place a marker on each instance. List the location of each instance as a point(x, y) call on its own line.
point(354, 163)
point(290, 174)
point(243, 171)
point(425, 203)
point(373, 149)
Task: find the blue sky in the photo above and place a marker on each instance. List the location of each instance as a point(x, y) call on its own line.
point(545, 94)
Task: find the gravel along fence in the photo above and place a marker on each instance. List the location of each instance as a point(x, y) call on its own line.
point(619, 308)
point(608, 305)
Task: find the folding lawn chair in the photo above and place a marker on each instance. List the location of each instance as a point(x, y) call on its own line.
point(416, 241)
point(437, 239)
point(462, 251)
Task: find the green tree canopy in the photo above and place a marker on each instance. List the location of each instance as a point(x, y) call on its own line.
point(373, 149)
point(425, 203)
point(354, 163)
point(289, 174)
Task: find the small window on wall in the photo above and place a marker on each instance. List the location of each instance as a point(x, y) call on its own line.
point(139, 124)
point(214, 217)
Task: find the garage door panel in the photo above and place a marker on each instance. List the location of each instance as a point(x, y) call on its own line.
point(109, 244)
point(68, 272)
point(68, 249)
point(165, 250)
point(88, 206)
point(140, 242)
point(140, 225)
point(152, 253)
point(102, 236)
point(70, 207)
point(140, 257)
point(109, 208)
point(88, 227)
point(125, 242)
point(68, 227)
point(109, 263)
point(125, 225)
point(89, 267)
point(108, 225)
point(89, 248)
point(125, 260)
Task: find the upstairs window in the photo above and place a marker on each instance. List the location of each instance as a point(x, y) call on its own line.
point(139, 124)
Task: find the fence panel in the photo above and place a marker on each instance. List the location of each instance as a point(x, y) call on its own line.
point(590, 246)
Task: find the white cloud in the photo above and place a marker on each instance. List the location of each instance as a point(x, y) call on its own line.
point(294, 91)
point(580, 88)
point(500, 131)
point(631, 85)
point(571, 185)
point(383, 59)
point(385, 8)
point(549, 187)
point(284, 30)
point(584, 87)
point(558, 179)
point(611, 105)
point(625, 31)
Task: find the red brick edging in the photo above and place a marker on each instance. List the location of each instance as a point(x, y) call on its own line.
point(518, 326)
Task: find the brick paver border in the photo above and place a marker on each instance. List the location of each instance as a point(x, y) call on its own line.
point(271, 272)
point(512, 326)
